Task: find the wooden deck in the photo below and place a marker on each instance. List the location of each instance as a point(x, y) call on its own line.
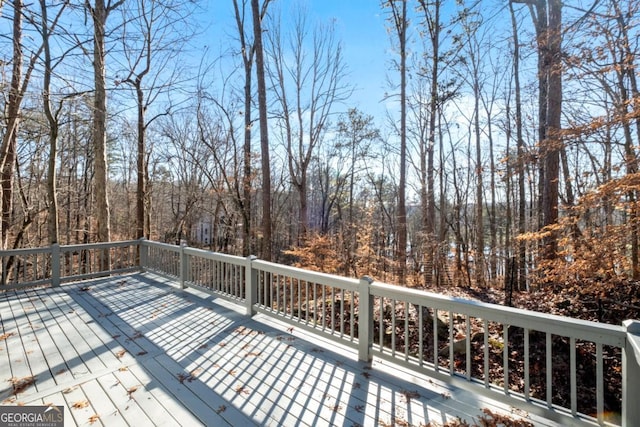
point(136, 350)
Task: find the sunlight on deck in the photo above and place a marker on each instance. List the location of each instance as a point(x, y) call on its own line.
point(135, 350)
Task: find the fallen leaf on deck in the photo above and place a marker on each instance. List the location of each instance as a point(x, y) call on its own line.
point(335, 408)
point(137, 335)
point(132, 390)
point(7, 335)
point(242, 390)
point(21, 384)
point(184, 377)
point(93, 418)
point(80, 404)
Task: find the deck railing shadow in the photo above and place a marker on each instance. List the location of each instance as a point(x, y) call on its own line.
point(245, 350)
point(141, 316)
point(516, 356)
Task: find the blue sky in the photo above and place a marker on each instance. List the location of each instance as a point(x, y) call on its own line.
point(360, 26)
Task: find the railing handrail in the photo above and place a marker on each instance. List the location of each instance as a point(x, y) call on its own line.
point(98, 245)
point(213, 255)
point(306, 275)
point(603, 333)
point(24, 251)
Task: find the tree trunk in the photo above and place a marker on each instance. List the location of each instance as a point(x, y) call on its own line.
point(264, 129)
point(479, 223)
point(9, 141)
point(429, 215)
point(99, 15)
point(401, 257)
point(553, 141)
point(141, 164)
point(52, 120)
point(522, 203)
point(631, 159)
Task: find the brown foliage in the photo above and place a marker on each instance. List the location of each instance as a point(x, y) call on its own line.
point(317, 253)
point(595, 236)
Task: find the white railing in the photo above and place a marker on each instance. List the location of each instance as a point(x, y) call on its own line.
point(57, 264)
point(572, 371)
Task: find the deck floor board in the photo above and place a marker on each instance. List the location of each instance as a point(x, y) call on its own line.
point(135, 350)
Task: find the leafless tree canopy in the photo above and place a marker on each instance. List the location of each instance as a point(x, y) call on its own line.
point(508, 155)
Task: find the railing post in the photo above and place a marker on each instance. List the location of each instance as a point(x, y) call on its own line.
point(184, 266)
point(55, 265)
point(143, 251)
point(365, 321)
point(251, 286)
point(631, 374)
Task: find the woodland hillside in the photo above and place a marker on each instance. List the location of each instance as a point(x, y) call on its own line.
point(504, 163)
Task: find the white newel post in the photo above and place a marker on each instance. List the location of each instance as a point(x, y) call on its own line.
point(184, 266)
point(250, 286)
point(143, 250)
point(631, 375)
point(55, 265)
point(365, 320)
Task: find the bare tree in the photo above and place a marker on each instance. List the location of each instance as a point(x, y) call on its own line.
point(152, 66)
point(258, 14)
point(432, 22)
point(522, 204)
point(99, 13)
point(46, 29)
point(356, 133)
point(307, 89)
point(400, 24)
point(470, 63)
point(547, 19)
point(19, 83)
